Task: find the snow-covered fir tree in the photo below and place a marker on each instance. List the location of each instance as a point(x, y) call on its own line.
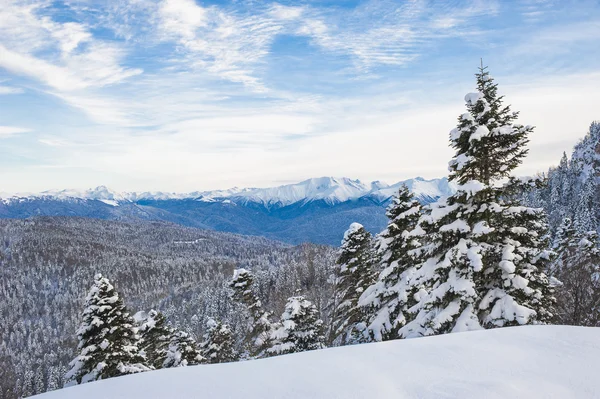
point(353, 274)
point(388, 299)
point(107, 338)
point(300, 328)
point(486, 251)
point(573, 191)
point(182, 351)
point(258, 339)
point(154, 337)
point(560, 186)
point(218, 344)
point(577, 267)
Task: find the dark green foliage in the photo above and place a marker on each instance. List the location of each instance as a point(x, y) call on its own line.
point(107, 339)
point(259, 338)
point(577, 267)
point(218, 345)
point(300, 328)
point(354, 273)
point(390, 297)
point(182, 351)
point(154, 338)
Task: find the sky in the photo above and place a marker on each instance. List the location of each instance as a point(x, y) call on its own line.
point(185, 95)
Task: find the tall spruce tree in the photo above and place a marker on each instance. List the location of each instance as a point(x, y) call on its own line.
point(182, 351)
point(258, 339)
point(155, 336)
point(107, 339)
point(300, 328)
point(388, 299)
point(218, 344)
point(577, 267)
point(353, 274)
point(486, 251)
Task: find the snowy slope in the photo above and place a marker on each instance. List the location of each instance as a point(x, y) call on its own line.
point(519, 362)
point(331, 190)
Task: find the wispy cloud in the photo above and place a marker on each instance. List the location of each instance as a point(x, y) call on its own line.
point(10, 90)
point(64, 56)
point(9, 131)
point(160, 91)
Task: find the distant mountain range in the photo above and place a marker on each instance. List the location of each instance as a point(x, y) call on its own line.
point(315, 210)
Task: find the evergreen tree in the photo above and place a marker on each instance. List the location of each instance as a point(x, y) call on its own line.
point(388, 299)
point(486, 251)
point(585, 210)
point(218, 345)
point(577, 267)
point(182, 351)
point(258, 340)
point(107, 339)
point(353, 273)
point(561, 184)
point(300, 328)
point(154, 338)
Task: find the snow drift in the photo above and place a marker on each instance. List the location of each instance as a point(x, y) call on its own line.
point(519, 362)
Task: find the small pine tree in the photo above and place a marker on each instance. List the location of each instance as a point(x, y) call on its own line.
point(300, 328)
point(218, 345)
point(258, 339)
point(354, 272)
point(577, 267)
point(390, 297)
point(154, 338)
point(107, 339)
point(182, 351)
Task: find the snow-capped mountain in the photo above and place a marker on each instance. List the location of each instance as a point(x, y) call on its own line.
point(317, 210)
point(330, 190)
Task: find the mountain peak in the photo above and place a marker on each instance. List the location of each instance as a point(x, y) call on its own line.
point(331, 190)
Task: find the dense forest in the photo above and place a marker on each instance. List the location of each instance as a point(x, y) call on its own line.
point(47, 265)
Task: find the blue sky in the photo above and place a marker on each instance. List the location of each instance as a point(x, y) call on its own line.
point(183, 95)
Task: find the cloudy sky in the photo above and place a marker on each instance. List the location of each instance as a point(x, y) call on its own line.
point(183, 95)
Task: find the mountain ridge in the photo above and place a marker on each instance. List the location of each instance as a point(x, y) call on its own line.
point(332, 190)
point(316, 210)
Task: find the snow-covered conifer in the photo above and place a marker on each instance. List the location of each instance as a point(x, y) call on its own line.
point(354, 273)
point(577, 267)
point(107, 339)
point(182, 351)
point(258, 340)
point(300, 328)
point(154, 337)
point(388, 299)
point(218, 344)
point(486, 250)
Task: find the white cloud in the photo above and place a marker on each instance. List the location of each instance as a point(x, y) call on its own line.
point(203, 112)
point(25, 34)
point(9, 131)
point(182, 18)
point(10, 90)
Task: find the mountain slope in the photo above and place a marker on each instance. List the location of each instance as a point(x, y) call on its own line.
point(518, 362)
point(316, 210)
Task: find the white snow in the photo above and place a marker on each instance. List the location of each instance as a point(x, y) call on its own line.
point(354, 227)
point(517, 362)
point(332, 190)
point(472, 98)
point(480, 131)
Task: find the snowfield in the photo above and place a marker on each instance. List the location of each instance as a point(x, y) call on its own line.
point(518, 362)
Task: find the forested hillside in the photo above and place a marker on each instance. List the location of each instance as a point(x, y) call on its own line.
point(48, 264)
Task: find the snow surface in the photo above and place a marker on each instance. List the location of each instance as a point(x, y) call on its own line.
point(517, 362)
point(332, 190)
